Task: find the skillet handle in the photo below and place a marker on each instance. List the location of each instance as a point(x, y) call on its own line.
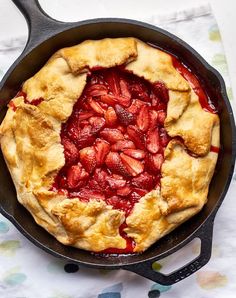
point(41, 26)
point(205, 235)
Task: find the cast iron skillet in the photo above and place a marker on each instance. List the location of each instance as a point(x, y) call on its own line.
point(47, 35)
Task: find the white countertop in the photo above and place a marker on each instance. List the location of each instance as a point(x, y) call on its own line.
point(12, 22)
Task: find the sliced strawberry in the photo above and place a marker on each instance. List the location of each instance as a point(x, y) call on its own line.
point(85, 138)
point(136, 136)
point(124, 191)
point(88, 158)
point(153, 119)
point(70, 151)
point(164, 138)
point(120, 203)
point(117, 176)
point(113, 81)
point(97, 124)
point(144, 180)
point(85, 105)
point(124, 101)
point(73, 176)
point(96, 90)
point(114, 163)
point(115, 183)
point(86, 130)
point(154, 162)
point(102, 149)
point(136, 105)
point(133, 166)
point(87, 194)
point(133, 108)
point(122, 145)
point(112, 135)
point(124, 89)
point(95, 106)
point(161, 116)
point(135, 153)
point(109, 99)
point(161, 91)
point(158, 160)
point(101, 177)
point(124, 116)
point(76, 176)
point(110, 117)
point(143, 118)
point(85, 115)
point(152, 141)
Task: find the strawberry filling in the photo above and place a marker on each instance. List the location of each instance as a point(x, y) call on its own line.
point(114, 142)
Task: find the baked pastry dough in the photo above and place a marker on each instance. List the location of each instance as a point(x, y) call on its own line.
point(31, 144)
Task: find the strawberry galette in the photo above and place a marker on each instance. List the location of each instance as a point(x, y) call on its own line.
point(111, 145)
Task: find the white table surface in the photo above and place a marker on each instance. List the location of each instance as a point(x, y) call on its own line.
point(12, 23)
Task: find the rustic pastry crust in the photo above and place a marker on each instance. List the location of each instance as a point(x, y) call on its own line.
point(155, 65)
point(194, 125)
point(99, 53)
point(30, 141)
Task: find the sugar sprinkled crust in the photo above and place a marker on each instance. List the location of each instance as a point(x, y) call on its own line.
point(30, 141)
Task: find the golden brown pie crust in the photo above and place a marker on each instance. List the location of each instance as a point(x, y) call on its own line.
point(30, 142)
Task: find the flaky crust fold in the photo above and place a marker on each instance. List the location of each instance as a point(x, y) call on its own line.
point(31, 145)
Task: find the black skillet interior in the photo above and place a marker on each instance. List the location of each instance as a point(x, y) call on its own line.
point(47, 36)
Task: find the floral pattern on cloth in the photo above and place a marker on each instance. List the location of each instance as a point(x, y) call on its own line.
point(28, 272)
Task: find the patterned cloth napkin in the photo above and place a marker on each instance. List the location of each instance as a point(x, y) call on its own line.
point(28, 272)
